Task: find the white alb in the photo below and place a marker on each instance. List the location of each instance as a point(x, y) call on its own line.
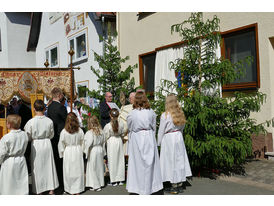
point(173, 157)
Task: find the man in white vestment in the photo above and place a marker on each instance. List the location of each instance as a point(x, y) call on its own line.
point(125, 110)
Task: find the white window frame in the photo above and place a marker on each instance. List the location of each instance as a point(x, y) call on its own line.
point(74, 37)
point(48, 49)
point(82, 83)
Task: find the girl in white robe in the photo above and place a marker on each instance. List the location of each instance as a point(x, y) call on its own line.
point(173, 157)
point(13, 171)
point(70, 149)
point(144, 174)
point(94, 142)
point(114, 132)
point(43, 171)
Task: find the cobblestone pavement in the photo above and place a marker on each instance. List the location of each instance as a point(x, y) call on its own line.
point(259, 173)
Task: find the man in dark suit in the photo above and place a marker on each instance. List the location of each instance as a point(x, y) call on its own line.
point(104, 109)
point(58, 114)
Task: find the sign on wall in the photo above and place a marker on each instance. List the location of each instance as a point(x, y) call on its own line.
point(73, 21)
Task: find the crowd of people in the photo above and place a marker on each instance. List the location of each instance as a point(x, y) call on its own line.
point(58, 145)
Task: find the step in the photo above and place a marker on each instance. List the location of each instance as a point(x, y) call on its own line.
point(269, 155)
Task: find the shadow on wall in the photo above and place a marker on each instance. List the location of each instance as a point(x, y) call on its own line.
point(97, 23)
point(19, 17)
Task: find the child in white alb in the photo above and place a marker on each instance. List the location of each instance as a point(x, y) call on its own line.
point(14, 171)
point(40, 131)
point(114, 132)
point(94, 142)
point(70, 149)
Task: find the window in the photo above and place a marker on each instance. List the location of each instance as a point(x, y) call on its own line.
point(79, 45)
point(147, 71)
point(81, 88)
point(237, 45)
point(52, 55)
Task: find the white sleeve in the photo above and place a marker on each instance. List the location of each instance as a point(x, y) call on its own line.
point(88, 142)
point(129, 122)
point(106, 132)
point(61, 144)
point(3, 150)
point(161, 131)
point(28, 130)
point(51, 130)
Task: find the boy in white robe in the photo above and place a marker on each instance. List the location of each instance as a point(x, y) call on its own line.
point(14, 171)
point(43, 171)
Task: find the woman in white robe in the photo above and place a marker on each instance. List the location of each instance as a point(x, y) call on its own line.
point(94, 142)
point(70, 149)
point(144, 174)
point(115, 150)
point(43, 171)
point(13, 171)
point(173, 157)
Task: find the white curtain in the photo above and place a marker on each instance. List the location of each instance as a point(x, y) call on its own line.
point(162, 66)
point(163, 71)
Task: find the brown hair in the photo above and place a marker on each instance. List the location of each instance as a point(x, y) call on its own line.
point(94, 125)
point(72, 124)
point(14, 120)
point(39, 105)
point(55, 92)
point(174, 109)
point(141, 101)
point(114, 113)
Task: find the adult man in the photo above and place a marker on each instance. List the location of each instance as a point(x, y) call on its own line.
point(58, 114)
point(125, 110)
point(104, 109)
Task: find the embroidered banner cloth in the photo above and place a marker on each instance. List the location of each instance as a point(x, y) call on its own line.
point(23, 83)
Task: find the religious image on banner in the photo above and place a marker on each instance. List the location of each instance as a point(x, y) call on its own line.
point(25, 83)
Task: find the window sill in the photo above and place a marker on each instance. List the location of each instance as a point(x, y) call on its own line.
point(79, 61)
point(240, 86)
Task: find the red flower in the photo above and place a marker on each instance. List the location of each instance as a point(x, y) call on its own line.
point(89, 114)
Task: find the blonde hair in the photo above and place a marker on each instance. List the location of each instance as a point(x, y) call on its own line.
point(174, 109)
point(56, 92)
point(14, 120)
point(94, 125)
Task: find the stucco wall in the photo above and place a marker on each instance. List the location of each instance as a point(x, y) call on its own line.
point(4, 52)
point(18, 28)
point(144, 35)
point(15, 29)
point(55, 33)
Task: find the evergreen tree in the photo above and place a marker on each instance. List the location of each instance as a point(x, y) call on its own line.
point(218, 132)
point(110, 76)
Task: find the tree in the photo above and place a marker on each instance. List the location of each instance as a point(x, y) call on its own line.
point(218, 132)
point(110, 76)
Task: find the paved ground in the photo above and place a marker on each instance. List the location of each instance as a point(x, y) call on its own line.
point(258, 180)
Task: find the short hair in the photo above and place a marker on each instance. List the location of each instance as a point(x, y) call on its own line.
point(72, 123)
point(141, 101)
point(55, 92)
point(14, 120)
point(39, 105)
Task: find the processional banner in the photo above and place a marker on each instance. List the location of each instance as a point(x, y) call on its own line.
point(24, 83)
